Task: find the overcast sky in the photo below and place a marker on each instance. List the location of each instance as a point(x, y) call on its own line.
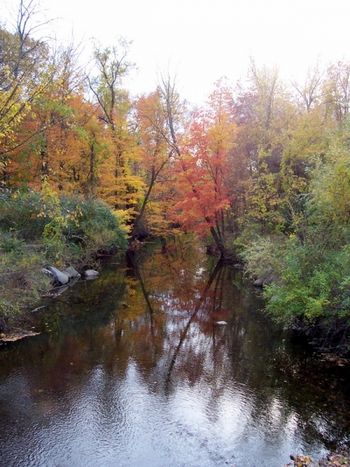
point(202, 40)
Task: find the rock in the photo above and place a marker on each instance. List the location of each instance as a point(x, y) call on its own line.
point(47, 273)
point(336, 460)
point(71, 273)
point(332, 460)
point(258, 282)
point(59, 276)
point(38, 308)
point(221, 323)
point(265, 280)
point(301, 461)
point(90, 274)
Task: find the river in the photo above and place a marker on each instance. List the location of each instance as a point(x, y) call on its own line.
point(166, 360)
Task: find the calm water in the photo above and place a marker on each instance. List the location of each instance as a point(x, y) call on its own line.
point(135, 371)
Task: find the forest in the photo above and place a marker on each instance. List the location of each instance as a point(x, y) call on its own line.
point(260, 173)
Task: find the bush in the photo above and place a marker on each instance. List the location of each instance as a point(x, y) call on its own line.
point(311, 267)
point(262, 257)
point(67, 226)
point(311, 279)
point(37, 229)
point(92, 222)
point(19, 212)
point(21, 279)
point(313, 284)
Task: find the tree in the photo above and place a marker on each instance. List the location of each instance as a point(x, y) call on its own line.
point(122, 187)
point(156, 153)
point(203, 168)
point(265, 114)
point(51, 131)
point(337, 91)
point(310, 91)
point(24, 76)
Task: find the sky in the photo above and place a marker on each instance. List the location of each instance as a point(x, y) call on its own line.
point(200, 41)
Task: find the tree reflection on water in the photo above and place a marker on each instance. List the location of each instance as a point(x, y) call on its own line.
point(137, 368)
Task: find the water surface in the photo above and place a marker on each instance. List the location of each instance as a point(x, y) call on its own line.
point(135, 370)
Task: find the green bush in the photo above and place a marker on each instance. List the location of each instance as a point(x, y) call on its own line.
point(262, 257)
point(21, 279)
point(19, 212)
point(92, 222)
point(37, 229)
point(311, 277)
point(311, 266)
point(66, 226)
point(312, 285)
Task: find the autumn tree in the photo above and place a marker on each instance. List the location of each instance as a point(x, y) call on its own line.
point(310, 91)
point(337, 91)
point(203, 166)
point(264, 114)
point(24, 75)
point(122, 186)
point(156, 153)
point(52, 128)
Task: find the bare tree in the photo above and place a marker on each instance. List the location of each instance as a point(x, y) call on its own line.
point(112, 66)
point(265, 85)
point(310, 91)
point(337, 90)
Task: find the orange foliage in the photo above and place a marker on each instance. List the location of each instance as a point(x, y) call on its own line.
point(203, 167)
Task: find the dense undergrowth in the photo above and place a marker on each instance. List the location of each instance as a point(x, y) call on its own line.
point(40, 229)
point(306, 271)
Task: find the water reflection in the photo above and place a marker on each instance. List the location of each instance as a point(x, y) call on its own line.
point(136, 372)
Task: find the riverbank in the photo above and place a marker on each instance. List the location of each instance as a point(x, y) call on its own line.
point(38, 230)
point(341, 459)
point(305, 284)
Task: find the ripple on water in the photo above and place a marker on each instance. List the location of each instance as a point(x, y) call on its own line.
point(103, 391)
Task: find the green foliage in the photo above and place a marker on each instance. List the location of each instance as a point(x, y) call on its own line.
point(19, 212)
point(264, 202)
point(92, 225)
point(311, 267)
point(331, 186)
point(312, 283)
point(41, 228)
point(10, 244)
point(62, 221)
point(21, 281)
point(262, 255)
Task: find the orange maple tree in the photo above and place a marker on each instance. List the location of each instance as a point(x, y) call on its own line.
point(203, 194)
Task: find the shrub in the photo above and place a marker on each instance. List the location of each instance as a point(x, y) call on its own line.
point(66, 225)
point(21, 279)
point(41, 228)
point(262, 257)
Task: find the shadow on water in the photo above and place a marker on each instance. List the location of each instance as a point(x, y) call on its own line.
point(139, 369)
